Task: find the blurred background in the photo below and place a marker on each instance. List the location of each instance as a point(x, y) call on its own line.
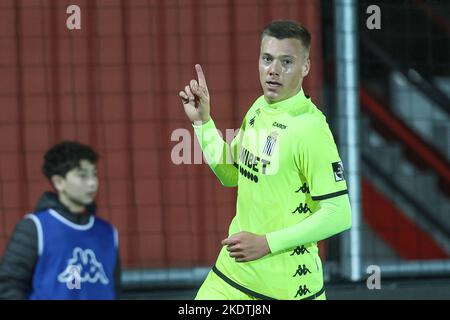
point(114, 85)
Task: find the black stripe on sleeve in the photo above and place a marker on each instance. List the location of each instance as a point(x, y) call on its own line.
point(330, 195)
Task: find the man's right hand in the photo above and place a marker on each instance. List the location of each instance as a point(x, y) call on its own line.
point(195, 98)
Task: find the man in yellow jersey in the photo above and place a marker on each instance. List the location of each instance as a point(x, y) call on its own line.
point(290, 178)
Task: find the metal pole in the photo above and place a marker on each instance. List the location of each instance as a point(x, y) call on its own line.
point(415, 269)
point(346, 35)
point(157, 279)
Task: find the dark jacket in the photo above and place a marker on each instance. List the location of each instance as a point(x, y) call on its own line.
point(21, 255)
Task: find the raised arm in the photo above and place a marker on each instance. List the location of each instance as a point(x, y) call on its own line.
point(195, 99)
point(196, 102)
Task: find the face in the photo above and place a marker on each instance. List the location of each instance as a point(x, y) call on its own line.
point(282, 66)
point(79, 188)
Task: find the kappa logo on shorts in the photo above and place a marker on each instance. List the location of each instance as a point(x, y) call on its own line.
point(299, 251)
point(304, 189)
point(302, 290)
point(301, 271)
point(338, 170)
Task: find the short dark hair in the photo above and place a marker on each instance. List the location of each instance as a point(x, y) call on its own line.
point(285, 29)
point(65, 156)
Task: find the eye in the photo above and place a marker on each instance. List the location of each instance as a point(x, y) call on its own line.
point(87, 175)
point(286, 62)
point(82, 175)
point(266, 59)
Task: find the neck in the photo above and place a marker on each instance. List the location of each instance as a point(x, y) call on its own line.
point(276, 102)
point(70, 204)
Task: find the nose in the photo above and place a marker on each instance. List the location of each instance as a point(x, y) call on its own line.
point(92, 182)
point(275, 68)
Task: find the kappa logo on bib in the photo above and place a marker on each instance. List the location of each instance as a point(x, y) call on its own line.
point(88, 268)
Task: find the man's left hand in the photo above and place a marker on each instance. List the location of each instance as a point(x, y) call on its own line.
point(245, 246)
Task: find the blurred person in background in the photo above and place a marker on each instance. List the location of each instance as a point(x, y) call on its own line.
point(62, 250)
point(292, 191)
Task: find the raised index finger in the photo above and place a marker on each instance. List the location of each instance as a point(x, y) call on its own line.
point(201, 76)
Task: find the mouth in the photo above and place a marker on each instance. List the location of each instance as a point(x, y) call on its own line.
point(273, 84)
point(91, 194)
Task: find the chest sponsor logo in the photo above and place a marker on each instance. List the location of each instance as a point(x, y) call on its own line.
point(251, 165)
point(279, 125)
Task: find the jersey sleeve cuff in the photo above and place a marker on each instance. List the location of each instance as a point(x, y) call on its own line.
point(275, 241)
point(206, 133)
point(207, 125)
point(210, 142)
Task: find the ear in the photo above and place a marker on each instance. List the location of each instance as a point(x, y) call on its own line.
point(58, 182)
point(306, 67)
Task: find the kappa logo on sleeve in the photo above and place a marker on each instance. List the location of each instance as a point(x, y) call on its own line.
point(252, 121)
point(338, 170)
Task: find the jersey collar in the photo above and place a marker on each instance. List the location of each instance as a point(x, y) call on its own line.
point(285, 105)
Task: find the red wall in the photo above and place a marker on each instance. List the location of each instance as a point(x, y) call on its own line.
point(114, 85)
